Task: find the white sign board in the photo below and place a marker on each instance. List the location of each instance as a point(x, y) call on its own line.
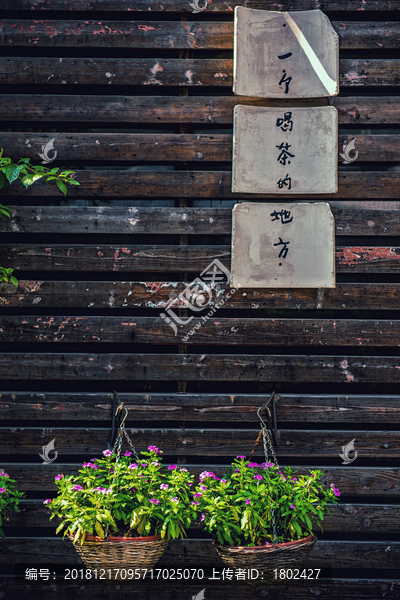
point(285, 150)
point(282, 245)
point(285, 54)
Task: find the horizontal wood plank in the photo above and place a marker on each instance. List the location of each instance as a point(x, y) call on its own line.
point(169, 72)
point(175, 221)
point(192, 552)
point(218, 6)
point(63, 257)
point(210, 330)
point(189, 109)
point(157, 294)
point(199, 407)
point(157, 147)
point(200, 184)
point(354, 481)
point(193, 367)
point(169, 34)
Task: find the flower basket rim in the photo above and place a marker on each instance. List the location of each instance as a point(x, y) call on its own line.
point(270, 547)
point(112, 538)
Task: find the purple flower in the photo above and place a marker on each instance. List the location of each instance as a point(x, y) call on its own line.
point(107, 452)
point(294, 479)
point(336, 492)
point(237, 471)
point(197, 495)
point(155, 463)
point(241, 457)
point(103, 490)
point(174, 499)
point(2, 490)
point(195, 503)
point(59, 476)
point(203, 488)
point(154, 500)
point(223, 480)
point(127, 453)
point(267, 544)
point(202, 518)
point(205, 475)
point(164, 486)
point(248, 501)
point(252, 465)
point(292, 506)
point(172, 467)
point(266, 465)
point(4, 475)
point(78, 487)
point(133, 489)
point(154, 449)
point(133, 466)
point(183, 469)
point(145, 464)
point(259, 477)
point(91, 465)
point(47, 501)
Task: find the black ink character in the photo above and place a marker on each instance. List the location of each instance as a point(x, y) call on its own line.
point(283, 56)
point(283, 214)
point(285, 249)
point(282, 158)
point(287, 182)
point(286, 81)
point(286, 124)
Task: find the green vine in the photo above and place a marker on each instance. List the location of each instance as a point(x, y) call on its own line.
point(27, 173)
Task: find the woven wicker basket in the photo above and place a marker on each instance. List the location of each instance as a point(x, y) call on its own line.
point(121, 553)
point(288, 555)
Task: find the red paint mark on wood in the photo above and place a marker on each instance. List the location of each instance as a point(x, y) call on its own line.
point(358, 255)
point(125, 250)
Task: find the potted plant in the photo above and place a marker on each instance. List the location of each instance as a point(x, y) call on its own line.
point(260, 515)
point(9, 499)
point(121, 510)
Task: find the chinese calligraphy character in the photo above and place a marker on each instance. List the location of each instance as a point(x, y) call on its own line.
point(284, 251)
point(283, 56)
point(283, 214)
point(286, 81)
point(286, 124)
point(31, 574)
point(287, 181)
point(282, 158)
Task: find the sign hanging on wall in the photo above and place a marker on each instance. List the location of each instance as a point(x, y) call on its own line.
point(282, 245)
point(285, 150)
point(285, 54)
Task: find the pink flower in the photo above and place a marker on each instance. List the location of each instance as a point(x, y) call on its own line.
point(292, 506)
point(164, 486)
point(223, 480)
point(335, 489)
point(172, 467)
point(248, 501)
point(197, 495)
point(91, 465)
point(252, 465)
point(78, 487)
point(133, 466)
point(2, 474)
point(154, 500)
point(266, 465)
point(237, 471)
point(59, 476)
point(127, 453)
point(195, 503)
point(183, 469)
point(203, 488)
point(107, 452)
point(144, 464)
point(203, 516)
point(294, 479)
point(154, 449)
point(259, 477)
point(47, 501)
point(267, 544)
point(2, 490)
point(241, 457)
point(174, 499)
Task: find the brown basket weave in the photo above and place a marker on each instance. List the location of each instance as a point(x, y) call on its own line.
point(121, 553)
point(288, 555)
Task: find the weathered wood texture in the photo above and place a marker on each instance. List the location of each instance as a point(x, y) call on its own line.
point(349, 555)
point(189, 109)
point(193, 367)
point(79, 257)
point(174, 35)
point(157, 294)
point(218, 6)
point(365, 518)
point(175, 221)
point(214, 331)
point(234, 408)
point(169, 71)
point(155, 147)
point(360, 481)
point(200, 184)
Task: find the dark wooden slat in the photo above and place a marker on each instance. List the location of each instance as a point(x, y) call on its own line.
point(199, 407)
point(169, 72)
point(157, 294)
point(193, 367)
point(62, 257)
point(192, 552)
point(176, 221)
point(201, 184)
point(168, 147)
point(168, 34)
point(219, 6)
point(214, 331)
point(169, 109)
point(205, 442)
point(366, 518)
point(354, 481)
point(346, 589)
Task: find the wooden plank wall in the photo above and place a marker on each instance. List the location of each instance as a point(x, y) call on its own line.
point(137, 95)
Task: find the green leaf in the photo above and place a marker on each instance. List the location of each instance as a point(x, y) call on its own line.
point(29, 179)
point(297, 527)
point(12, 172)
point(73, 182)
point(62, 187)
point(308, 521)
point(14, 281)
point(99, 529)
point(2, 180)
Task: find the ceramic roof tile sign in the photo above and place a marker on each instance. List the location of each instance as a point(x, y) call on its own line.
point(285, 150)
point(283, 245)
point(285, 54)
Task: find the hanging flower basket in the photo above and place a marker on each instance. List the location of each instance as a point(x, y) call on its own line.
point(267, 558)
point(121, 553)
